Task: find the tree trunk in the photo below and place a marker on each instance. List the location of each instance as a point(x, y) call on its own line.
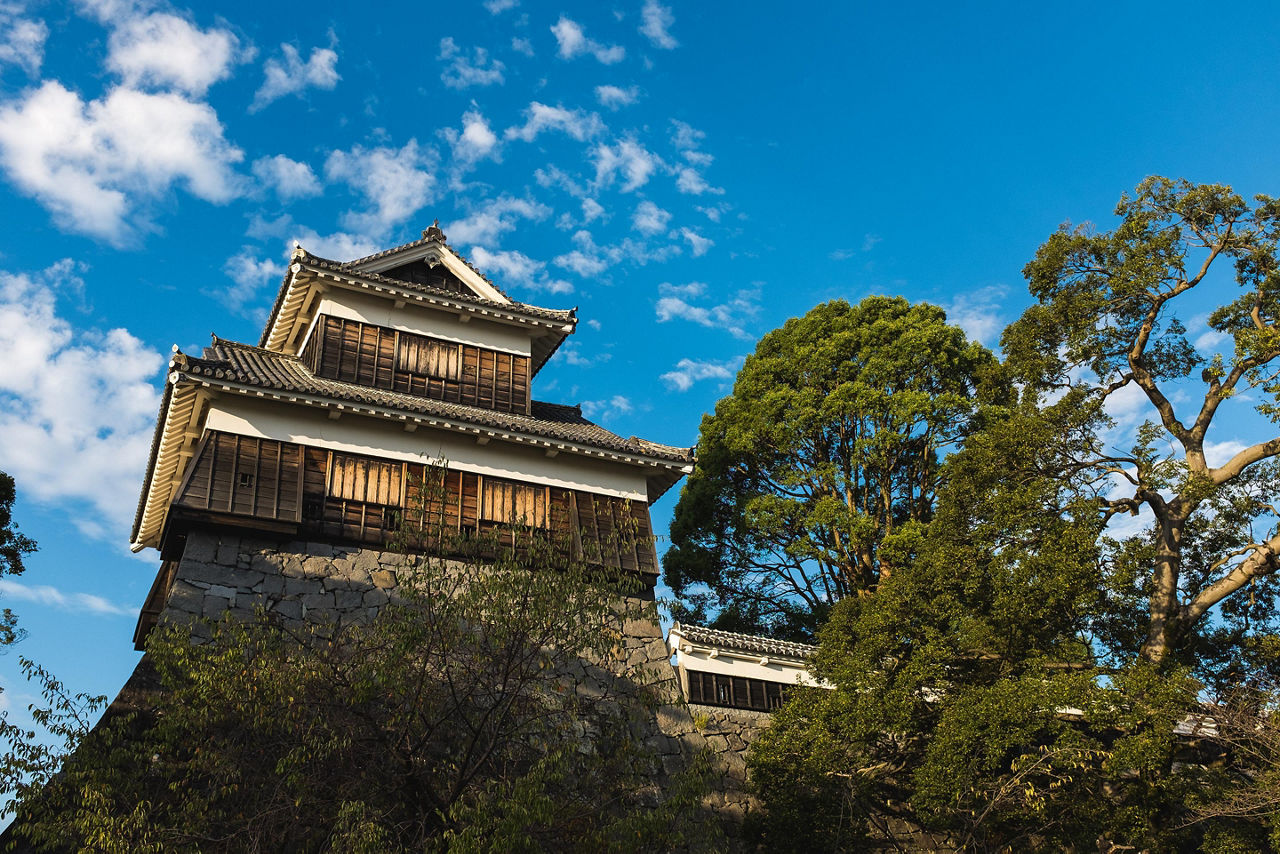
point(1163, 629)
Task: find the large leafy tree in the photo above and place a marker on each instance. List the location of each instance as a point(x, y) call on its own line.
point(1116, 315)
point(1029, 678)
point(827, 450)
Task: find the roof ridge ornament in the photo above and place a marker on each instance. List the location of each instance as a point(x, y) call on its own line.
point(434, 231)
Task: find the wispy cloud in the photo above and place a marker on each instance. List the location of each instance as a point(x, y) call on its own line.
point(688, 371)
point(252, 276)
point(21, 39)
point(395, 183)
point(630, 159)
point(289, 75)
point(698, 244)
point(649, 218)
point(516, 268)
point(573, 42)
point(492, 219)
point(615, 97)
point(980, 313)
point(52, 597)
point(678, 302)
point(607, 410)
point(656, 21)
point(463, 70)
point(290, 179)
point(497, 7)
point(539, 117)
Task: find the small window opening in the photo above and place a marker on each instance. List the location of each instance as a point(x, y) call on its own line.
point(246, 480)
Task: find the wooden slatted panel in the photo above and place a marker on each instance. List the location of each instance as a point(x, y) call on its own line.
point(245, 476)
point(366, 480)
point(509, 503)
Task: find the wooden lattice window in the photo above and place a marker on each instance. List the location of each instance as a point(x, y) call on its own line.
point(429, 358)
point(509, 503)
point(353, 478)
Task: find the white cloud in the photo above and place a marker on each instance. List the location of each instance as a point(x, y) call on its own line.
point(591, 210)
point(572, 355)
point(396, 183)
point(633, 160)
point(869, 241)
point(591, 259)
point(657, 20)
point(687, 372)
point(517, 268)
point(573, 42)
point(686, 137)
point(649, 218)
point(978, 313)
point(77, 406)
point(43, 594)
point(289, 178)
point(1219, 453)
point(691, 182)
point(473, 143)
point(539, 117)
point(523, 46)
point(339, 245)
point(463, 71)
point(167, 51)
point(252, 276)
point(697, 243)
point(607, 410)
point(488, 223)
point(614, 97)
point(21, 39)
point(291, 75)
point(674, 303)
point(92, 164)
point(497, 7)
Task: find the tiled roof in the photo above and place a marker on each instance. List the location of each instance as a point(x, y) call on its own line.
point(254, 366)
point(513, 306)
point(744, 643)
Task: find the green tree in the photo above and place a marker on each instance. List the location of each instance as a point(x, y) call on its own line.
point(1112, 317)
point(1019, 681)
point(469, 717)
point(13, 546)
point(827, 450)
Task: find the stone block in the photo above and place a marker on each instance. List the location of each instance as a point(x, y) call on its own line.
point(320, 549)
point(228, 550)
point(384, 579)
point(317, 567)
point(292, 566)
point(266, 562)
point(224, 592)
point(289, 608)
point(346, 600)
point(200, 547)
point(375, 598)
point(186, 597)
point(312, 601)
point(365, 560)
point(215, 606)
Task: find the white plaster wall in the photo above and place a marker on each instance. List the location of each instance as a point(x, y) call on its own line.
point(422, 320)
point(359, 434)
point(789, 673)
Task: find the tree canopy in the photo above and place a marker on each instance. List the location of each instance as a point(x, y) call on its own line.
point(13, 546)
point(1034, 676)
point(823, 460)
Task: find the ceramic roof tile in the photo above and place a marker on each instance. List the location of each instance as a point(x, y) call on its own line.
point(744, 643)
point(255, 366)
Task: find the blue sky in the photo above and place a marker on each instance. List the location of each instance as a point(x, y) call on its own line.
point(690, 176)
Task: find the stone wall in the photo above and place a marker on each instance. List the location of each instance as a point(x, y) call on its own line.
point(306, 581)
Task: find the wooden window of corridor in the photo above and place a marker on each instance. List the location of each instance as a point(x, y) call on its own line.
point(353, 478)
point(508, 503)
point(429, 358)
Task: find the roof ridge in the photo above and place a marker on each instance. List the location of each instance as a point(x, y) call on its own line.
point(515, 305)
point(757, 642)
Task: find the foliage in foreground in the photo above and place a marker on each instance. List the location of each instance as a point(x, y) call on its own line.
point(448, 723)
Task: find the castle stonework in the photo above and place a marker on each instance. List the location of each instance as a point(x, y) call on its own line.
point(279, 473)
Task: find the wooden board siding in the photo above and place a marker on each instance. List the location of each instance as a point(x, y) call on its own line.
point(357, 498)
point(244, 476)
point(365, 354)
point(715, 689)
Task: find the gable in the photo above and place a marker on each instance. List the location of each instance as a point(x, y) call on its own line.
point(420, 272)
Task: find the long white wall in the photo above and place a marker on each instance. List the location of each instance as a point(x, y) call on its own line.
point(421, 320)
point(360, 434)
